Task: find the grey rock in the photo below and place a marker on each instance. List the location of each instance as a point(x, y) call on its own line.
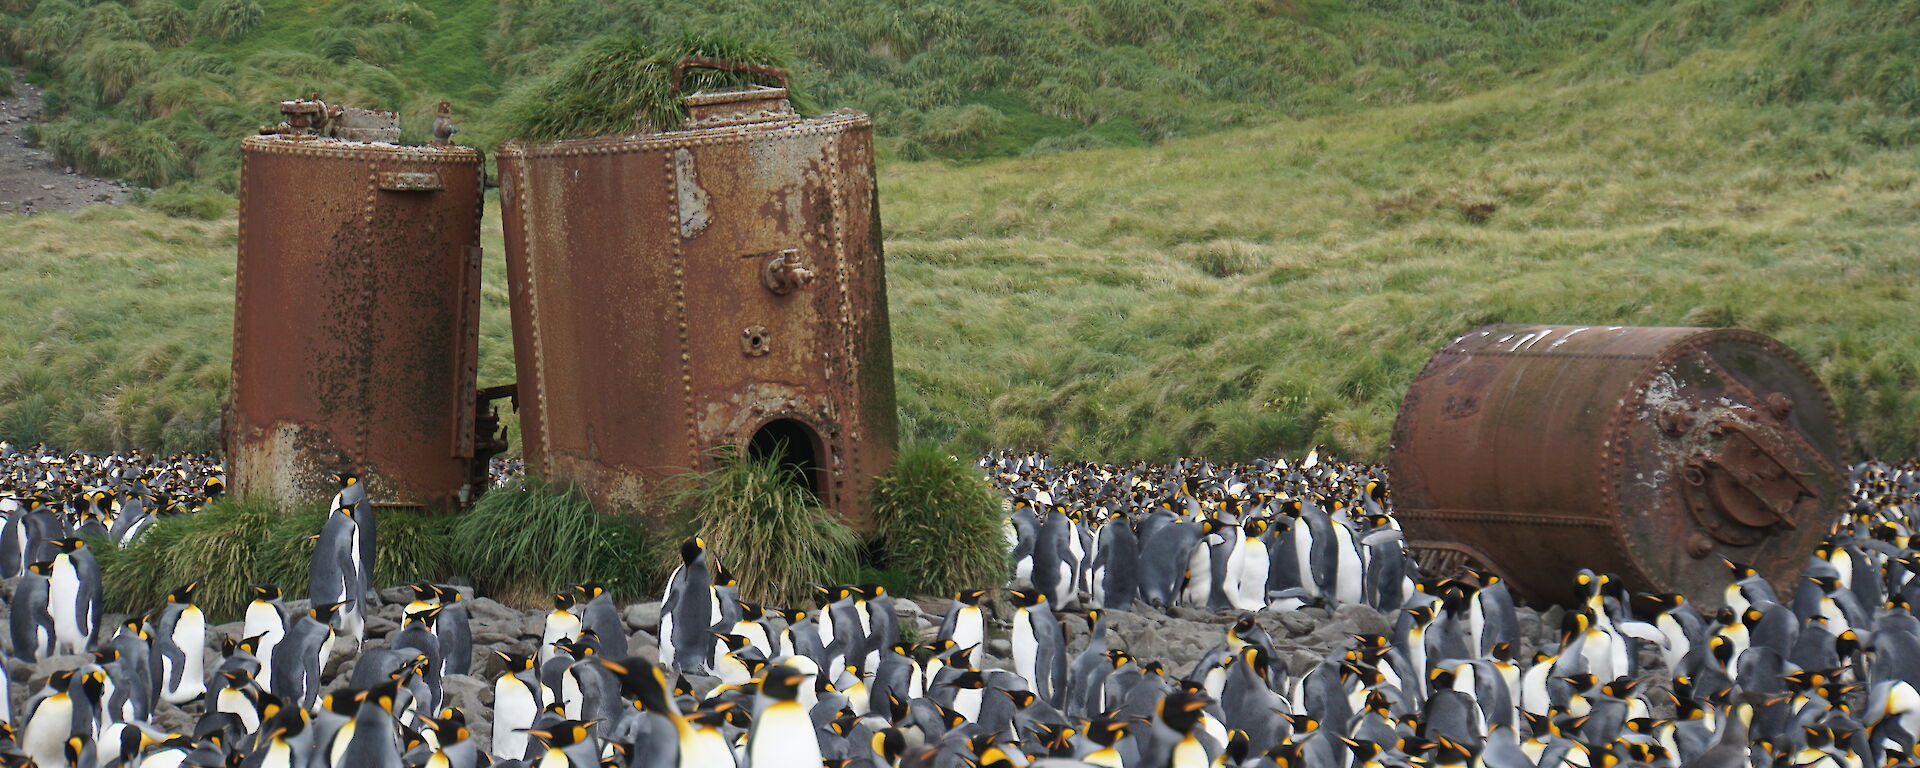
point(643, 616)
point(1362, 620)
point(485, 608)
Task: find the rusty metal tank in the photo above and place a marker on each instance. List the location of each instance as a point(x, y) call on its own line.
point(356, 318)
point(718, 285)
point(1648, 453)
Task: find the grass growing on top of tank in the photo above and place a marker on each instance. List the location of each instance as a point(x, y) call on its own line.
point(764, 527)
point(938, 522)
point(233, 544)
point(620, 83)
point(521, 543)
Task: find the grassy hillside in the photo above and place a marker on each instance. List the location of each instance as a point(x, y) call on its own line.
point(1253, 288)
point(158, 90)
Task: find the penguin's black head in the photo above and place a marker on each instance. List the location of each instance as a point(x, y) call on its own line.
point(563, 734)
point(591, 589)
point(1027, 598)
point(971, 596)
point(1181, 710)
point(692, 549)
point(640, 680)
point(782, 682)
point(325, 612)
point(266, 592)
point(562, 601)
point(70, 545)
point(733, 642)
point(184, 594)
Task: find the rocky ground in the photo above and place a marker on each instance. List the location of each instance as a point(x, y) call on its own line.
point(32, 180)
point(1177, 638)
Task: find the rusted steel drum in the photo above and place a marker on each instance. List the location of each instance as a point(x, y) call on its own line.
point(356, 319)
point(1649, 453)
point(719, 285)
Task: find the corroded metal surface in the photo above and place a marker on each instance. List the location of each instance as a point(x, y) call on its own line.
point(674, 292)
point(1650, 453)
point(356, 319)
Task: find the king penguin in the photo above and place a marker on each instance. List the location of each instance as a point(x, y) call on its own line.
point(688, 611)
point(1039, 645)
point(73, 596)
point(30, 621)
point(179, 646)
point(783, 735)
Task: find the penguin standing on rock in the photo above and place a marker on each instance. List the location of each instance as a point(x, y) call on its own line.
point(688, 611)
point(179, 647)
point(1039, 646)
point(74, 596)
point(29, 619)
point(263, 620)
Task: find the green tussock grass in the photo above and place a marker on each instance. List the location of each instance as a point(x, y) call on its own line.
point(229, 19)
point(938, 523)
point(764, 527)
point(163, 23)
point(191, 200)
point(520, 544)
point(620, 84)
point(233, 544)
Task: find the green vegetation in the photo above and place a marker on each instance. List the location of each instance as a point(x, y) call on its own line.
point(763, 526)
point(520, 544)
point(229, 19)
point(1424, 171)
point(938, 523)
point(619, 84)
point(234, 544)
point(191, 200)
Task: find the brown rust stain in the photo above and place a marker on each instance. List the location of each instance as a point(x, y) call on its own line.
point(1520, 444)
point(355, 319)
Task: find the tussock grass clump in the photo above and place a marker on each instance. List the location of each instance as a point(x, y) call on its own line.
point(191, 200)
point(116, 66)
point(764, 526)
point(229, 19)
point(234, 543)
point(520, 543)
point(601, 88)
point(164, 23)
point(938, 523)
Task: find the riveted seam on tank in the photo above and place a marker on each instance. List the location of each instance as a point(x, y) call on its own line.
point(361, 150)
point(678, 260)
point(601, 145)
point(532, 292)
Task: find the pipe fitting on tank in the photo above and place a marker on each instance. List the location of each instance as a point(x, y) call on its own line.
point(785, 273)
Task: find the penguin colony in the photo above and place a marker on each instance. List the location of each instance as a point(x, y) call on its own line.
point(1823, 677)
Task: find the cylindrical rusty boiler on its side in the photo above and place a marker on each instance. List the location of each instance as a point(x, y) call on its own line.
point(1649, 453)
point(356, 319)
point(717, 285)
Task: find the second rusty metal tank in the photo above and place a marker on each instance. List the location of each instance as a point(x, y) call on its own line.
point(1649, 453)
point(356, 317)
point(718, 285)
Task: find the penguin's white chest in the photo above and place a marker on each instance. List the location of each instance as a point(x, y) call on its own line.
point(969, 627)
point(1026, 647)
point(63, 601)
point(783, 737)
point(513, 709)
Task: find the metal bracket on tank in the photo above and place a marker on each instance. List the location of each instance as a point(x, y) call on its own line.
point(1744, 487)
point(410, 181)
point(785, 273)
